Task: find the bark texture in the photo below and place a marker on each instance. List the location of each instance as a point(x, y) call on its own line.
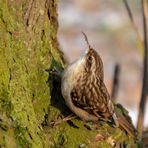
point(29, 95)
point(28, 42)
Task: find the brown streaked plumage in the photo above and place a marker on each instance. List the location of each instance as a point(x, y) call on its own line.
point(84, 90)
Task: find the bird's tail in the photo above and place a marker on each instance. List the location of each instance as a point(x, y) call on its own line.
point(123, 120)
point(126, 125)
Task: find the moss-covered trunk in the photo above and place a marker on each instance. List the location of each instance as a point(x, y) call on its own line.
point(28, 41)
point(28, 47)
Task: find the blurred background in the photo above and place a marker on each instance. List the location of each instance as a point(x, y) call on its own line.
point(109, 30)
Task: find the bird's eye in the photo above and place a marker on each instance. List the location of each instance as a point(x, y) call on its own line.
point(90, 58)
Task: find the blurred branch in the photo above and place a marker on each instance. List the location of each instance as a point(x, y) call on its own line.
point(129, 11)
point(132, 22)
point(144, 93)
point(115, 83)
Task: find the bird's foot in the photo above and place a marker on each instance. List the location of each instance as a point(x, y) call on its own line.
point(59, 121)
point(93, 125)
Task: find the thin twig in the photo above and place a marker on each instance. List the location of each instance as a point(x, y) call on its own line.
point(129, 11)
point(132, 21)
point(145, 69)
point(115, 83)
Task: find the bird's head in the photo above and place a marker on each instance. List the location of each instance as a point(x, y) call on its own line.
point(92, 61)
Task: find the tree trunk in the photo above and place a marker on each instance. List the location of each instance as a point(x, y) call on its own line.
point(28, 42)
point(28, 47)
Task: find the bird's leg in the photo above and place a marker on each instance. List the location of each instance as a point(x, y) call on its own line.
point(65, 119)
point(93, 125)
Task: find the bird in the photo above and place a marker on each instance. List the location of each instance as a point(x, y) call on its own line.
point(85, 93)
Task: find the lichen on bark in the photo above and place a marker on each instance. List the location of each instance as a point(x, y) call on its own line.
point(26, 39)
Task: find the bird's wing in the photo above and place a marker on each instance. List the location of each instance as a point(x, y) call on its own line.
point(93, 99)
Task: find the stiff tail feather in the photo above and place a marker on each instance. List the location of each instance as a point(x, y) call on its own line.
point(126, 124)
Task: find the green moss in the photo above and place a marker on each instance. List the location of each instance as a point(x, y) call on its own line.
point(7, 138)
point(6, 17)
point(16, 83)
point(77, 135)
point(24, 91)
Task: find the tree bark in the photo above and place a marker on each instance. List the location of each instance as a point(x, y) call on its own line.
point(29, 95)
point(28, 42)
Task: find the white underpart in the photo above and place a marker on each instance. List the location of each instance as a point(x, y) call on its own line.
point(69, 80)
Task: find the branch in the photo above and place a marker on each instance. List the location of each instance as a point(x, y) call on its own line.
point(132, 21)
point(115, 83)
point(145, 69)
